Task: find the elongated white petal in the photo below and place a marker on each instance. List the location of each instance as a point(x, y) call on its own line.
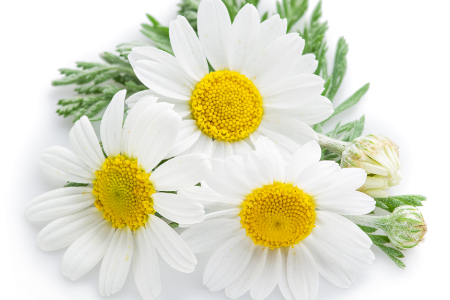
point(286, 145)
point(292, 92)
point(85, 143)
point(307, 64)
point(178, 208)
point(181, 172)
point(145, 265)
point(64, 231)
point(302, 273)
point(211, 234)
point(345, 202)
point(283, 283)
point(271, 29)
point(221, 149)
point(305, 156)
point(62, 163)
point(294, 129)
point(220, 181)
point(267, 148)
point(111, 125)
point(214, 25)
point(170, 245)
point(209, 198)
point(136, 97)
point(163, 79)
point(204, 145)
point(270, 275)
point(228, 263)
point(277, 59)
point(187, 48)
point(116, 263)
point(241, 147)
point(87, 251)
point(59, 203)
point(318, 176)
point(154, 54)
point(257, 169)
point(243, 37)
point(312, 112)
point(245, 175)
point(188, 135)
point(250, 275)
point(328, 264)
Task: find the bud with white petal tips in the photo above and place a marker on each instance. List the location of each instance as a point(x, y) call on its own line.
point(374, 153)
point(405, 227)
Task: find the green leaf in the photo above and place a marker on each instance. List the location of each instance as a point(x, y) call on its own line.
point(367, 229)
point(292, 10)
point(391, 203)
point(391, 251)
point(75, 184)
point(350, 101)
point(379, 239)
point(158, 34)
point(339, 69)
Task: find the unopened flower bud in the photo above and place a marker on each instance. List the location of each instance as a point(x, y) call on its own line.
point(378, 156)
point(405, 227)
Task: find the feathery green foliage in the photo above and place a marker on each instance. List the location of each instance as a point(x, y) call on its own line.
point(75, 184)
point(391, 203)
point(292, 11)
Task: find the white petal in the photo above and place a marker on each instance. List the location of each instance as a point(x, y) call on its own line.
point(289, 127)
point(154, 54)
point(59, 203)
point(231, 213)
point(85, 143)
point(310, 113)
point(181, 172)
point(286, 145)
point(277, 59)
point(328, 264)
point(343, 238)
point(116, 263)
point(211, 234)
point(209, 198)
point(222, 182)
point(293, 91)
point(270, 275)
point(270, 30)
point(267, 148)
point(187, 48)
point(241, 147)
point(318, 176)
point(134, 114)
point(187, 137)
point(345, 202)
point(228, 263)
point(62, 163)
point(221, 149)
point(214, 24)
point(64, 231)
point(153, 135)
point(163, 79)
point(257, 169)
point(178, 208)
point(111, 125)
point(305, 156)
point(244, 175)
point(243, 37)
point(250, 275)
point(170, 245)
point(136, 97)
point(87, 251)
point(145, 266)
point(307, 64)
point(204, 145)
point(302, 274)
point(283, 283)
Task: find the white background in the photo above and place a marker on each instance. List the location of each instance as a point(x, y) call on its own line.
point(400, 47)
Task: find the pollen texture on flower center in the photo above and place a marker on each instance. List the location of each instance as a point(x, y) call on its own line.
point(226, 106)
point(123, 192)
point(278, 215)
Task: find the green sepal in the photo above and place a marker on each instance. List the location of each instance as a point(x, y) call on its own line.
point(367, 229)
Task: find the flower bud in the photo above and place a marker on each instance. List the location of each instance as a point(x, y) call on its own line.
point(405, 227)
point(378, 156)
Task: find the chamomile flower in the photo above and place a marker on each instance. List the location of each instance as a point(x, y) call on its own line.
point(278, 224)
point(261, 85)
point(113, 218)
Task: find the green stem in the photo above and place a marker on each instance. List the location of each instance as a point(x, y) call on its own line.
point(333, 145)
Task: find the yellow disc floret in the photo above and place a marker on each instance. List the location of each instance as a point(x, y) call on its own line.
point(123, 192)
point(226, 106)
point(278, 215)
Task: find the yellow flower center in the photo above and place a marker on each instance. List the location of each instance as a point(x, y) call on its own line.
point(123, 192)
point(278, 215)
point(226, 106)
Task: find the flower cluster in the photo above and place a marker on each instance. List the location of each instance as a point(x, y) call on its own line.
point(224, 126)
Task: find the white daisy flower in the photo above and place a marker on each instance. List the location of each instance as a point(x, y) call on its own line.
point(261, 86)
point(112, 220)
point(278, 224)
